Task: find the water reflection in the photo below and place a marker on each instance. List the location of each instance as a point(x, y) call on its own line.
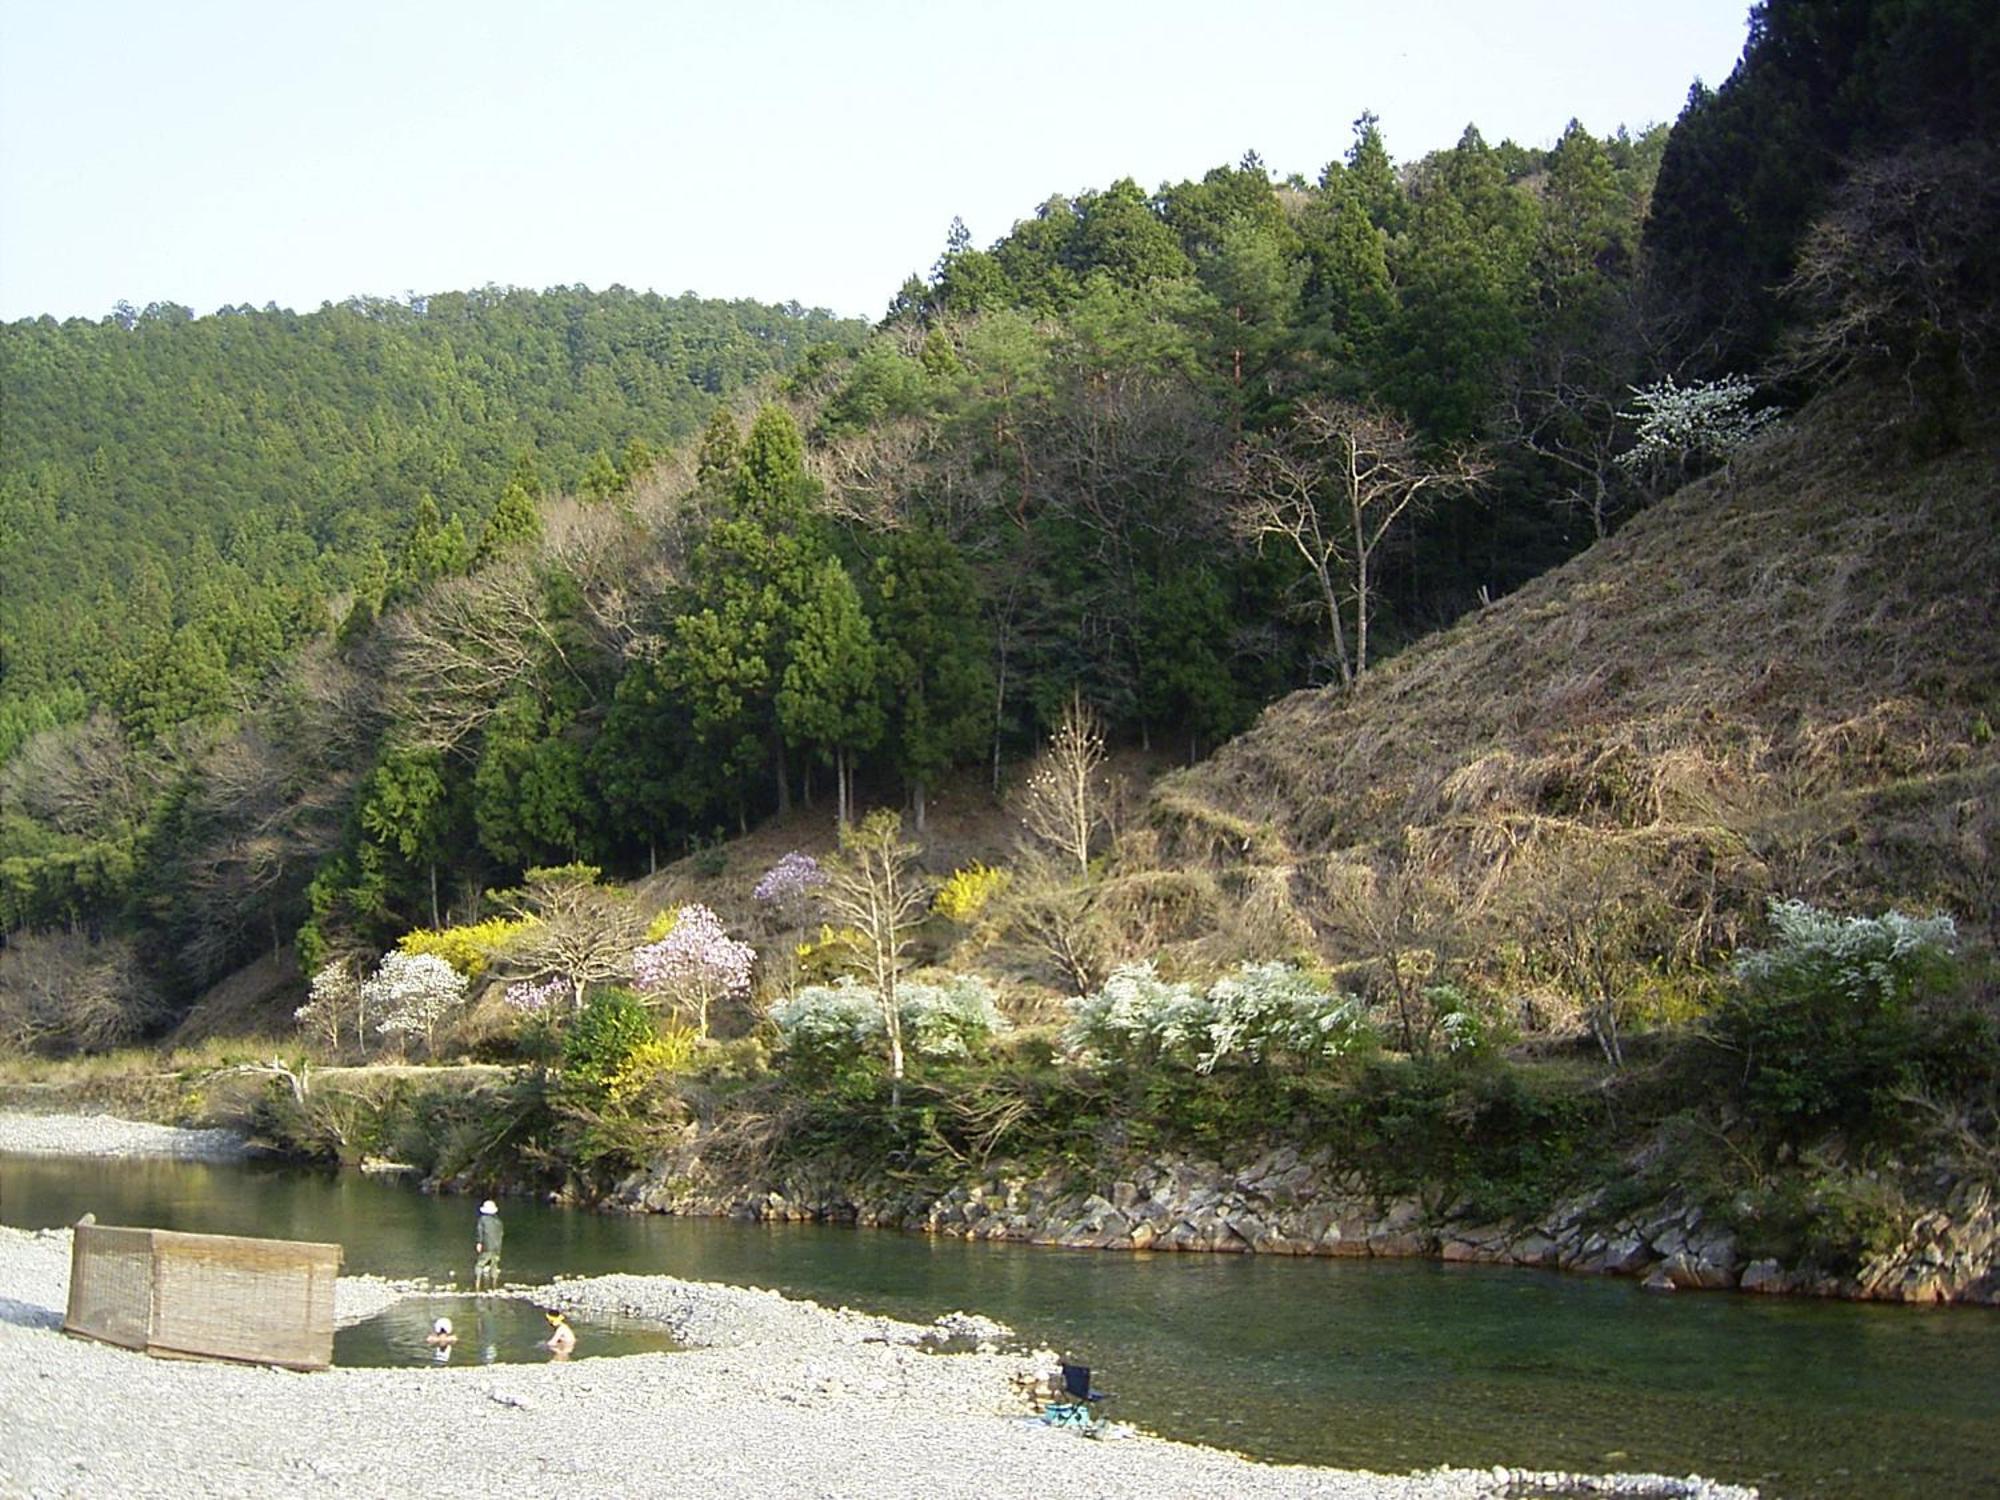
point(1390, 1365)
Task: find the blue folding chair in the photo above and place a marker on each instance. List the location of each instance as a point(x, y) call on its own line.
point(1075, 1409)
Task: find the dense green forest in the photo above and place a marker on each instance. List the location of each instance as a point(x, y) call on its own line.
point(180, 497)
point(1114, 455)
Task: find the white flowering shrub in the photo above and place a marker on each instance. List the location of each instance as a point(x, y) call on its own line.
point(1821, 1027)
point(414, 994)
point(1461, 1028)
point(1875, 963)
point(1136, 1014)
point(827, 1023)
point(832, 1024)
point(333, 1005)
point(1675, 423)
point(950, 1017)
point(1261, 1012)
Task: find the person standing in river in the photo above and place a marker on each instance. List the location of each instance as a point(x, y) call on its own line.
point(486, 1247)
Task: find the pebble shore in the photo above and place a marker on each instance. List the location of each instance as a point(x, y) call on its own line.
point(771, 1397)
point(103, 1135)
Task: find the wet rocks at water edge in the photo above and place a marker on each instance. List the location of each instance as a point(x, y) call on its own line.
point(1291, 1202)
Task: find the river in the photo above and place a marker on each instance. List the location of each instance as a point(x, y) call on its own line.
point(1391, 1365)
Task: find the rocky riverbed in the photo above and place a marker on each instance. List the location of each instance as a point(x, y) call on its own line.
point(770, 1397)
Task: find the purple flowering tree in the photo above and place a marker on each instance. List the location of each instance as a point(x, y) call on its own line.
point(695, 964)
point(535, 997)
point(790, 881)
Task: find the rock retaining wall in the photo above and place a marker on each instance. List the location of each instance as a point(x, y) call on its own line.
point(1288, 1202)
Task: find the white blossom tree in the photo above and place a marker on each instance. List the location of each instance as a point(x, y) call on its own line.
point(334, 1000)
point(1680, 425)
point(415, 993)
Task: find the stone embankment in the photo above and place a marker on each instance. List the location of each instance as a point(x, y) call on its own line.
point(1285, 1202)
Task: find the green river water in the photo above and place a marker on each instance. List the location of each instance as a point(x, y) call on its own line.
point(1391, 1365)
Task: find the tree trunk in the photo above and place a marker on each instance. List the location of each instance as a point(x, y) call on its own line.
point(784, 782)
point(1360, 616)
point(917, 802)
point(435, 921)
point(1332, 601)
point(840, 786)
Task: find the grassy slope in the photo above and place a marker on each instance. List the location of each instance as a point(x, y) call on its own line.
point(1782, 680)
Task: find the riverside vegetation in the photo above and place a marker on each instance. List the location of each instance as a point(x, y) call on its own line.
point(1653, 900)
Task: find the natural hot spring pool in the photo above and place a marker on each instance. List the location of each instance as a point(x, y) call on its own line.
point(492, 1330)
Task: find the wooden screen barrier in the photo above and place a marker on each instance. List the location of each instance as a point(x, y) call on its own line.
point(204, 1296)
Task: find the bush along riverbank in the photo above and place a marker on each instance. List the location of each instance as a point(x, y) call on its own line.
point(1660, 1174)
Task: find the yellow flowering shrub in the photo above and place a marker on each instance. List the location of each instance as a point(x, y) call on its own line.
point(662, 924)
point(836, 951)
point(965, 895)
point(468, 948)
point(652, 1062)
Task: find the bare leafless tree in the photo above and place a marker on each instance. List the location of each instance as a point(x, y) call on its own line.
point(577, 930)
point(873, 886)
point(1403, 919)
point(454, 654)
point(868, 475)
point(60, 992)
point(1332, 486)
point(1056, 916)
point(1067, 799)
point(82, 779)
point(1899, 269)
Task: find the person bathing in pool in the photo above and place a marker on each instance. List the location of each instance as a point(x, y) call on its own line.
point(562, 1337)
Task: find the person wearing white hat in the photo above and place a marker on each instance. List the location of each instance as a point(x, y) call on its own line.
point(486, 1246)
point(441, 1338)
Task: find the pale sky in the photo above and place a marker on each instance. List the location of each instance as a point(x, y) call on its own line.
point(293, 151)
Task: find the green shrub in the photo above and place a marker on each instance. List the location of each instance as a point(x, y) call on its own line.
point(613, 1024)
point(1823, 1020)
point(1832, 1222)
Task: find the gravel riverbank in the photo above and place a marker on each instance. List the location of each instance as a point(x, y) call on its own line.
point(104, 1135)
point(770, 1398)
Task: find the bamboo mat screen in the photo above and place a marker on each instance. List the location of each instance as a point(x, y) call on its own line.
point(205, 1295)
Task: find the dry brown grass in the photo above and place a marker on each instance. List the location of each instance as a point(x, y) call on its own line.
point(1783, 680)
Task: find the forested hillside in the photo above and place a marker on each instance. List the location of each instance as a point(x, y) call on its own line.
point(1048, 474)
point(181, 497)
point(1168, 454)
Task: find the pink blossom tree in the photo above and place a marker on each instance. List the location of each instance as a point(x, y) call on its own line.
point(695, 964)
